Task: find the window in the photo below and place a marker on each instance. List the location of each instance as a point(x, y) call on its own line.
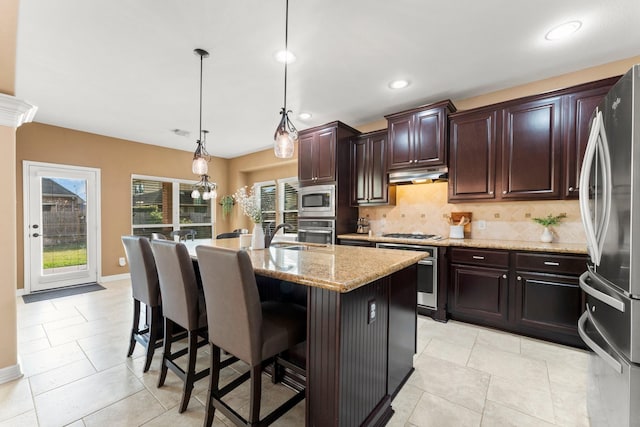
point(278, 203)
point(162, 205)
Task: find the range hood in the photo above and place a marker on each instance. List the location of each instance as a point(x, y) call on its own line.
point(419, 176)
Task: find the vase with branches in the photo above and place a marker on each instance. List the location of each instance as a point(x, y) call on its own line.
point(546, 222)
point(250, 206)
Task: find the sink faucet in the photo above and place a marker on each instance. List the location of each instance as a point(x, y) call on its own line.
point(269, 236)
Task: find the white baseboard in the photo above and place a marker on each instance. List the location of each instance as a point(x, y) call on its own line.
point(10, 373)
point(20, 292)
point(114, 277)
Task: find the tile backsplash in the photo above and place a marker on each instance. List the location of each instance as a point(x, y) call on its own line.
point(424, 208)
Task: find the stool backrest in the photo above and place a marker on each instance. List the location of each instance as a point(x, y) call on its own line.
point(177, 282)
point(142, 265)
point(234, 312)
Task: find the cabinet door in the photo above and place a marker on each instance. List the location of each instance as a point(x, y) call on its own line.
point(378, 186)
point(429, 138)
point(531, 150)
point(580, 109)
point(548, 302)
point(324, 157)
point(359, 172)
point(400, 142)
point(472, 161)
point(305, 159)
point(480, 294)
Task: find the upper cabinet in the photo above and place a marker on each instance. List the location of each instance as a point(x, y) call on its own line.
point(319, 150)
point(525, 149)
point(418, 137)
point(369, 182)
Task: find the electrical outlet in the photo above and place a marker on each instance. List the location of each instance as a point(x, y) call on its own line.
point(371, 311)
point(482, 224)
point(122, 262)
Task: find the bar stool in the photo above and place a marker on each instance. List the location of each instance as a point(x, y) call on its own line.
point(183, 305)
point(145, 290)
point(241, 325)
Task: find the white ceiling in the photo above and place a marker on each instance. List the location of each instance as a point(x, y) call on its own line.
point(126, 68)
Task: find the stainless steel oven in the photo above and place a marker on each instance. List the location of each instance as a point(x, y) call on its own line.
point(427, 272)
point(316, 231)
point(317, 201)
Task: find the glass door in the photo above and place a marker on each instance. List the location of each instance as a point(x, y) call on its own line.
point(61, 217)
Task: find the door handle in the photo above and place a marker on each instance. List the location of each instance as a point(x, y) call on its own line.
point(604, 355)
point(600, 296)
point(35, 235)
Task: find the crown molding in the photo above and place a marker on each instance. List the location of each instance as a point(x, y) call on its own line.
point(15, 112)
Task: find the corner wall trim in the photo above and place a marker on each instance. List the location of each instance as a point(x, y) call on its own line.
point(10, 373)
point(114, 277)
point(15, 112)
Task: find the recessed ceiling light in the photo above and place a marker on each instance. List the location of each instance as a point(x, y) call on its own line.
point(563, 30)
point(285, 56)
point(399, 84)
point(304, 116)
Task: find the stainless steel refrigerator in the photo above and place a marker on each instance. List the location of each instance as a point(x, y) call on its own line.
point(610, 208)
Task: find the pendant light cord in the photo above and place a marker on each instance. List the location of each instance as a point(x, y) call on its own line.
point(286, 52)
point(200, 134)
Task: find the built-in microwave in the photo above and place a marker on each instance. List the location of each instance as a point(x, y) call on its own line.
point(317, 201)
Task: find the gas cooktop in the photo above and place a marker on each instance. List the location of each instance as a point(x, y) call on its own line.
point(419, 236)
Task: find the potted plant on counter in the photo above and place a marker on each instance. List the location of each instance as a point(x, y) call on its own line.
point(546, 222)
point(250, 206)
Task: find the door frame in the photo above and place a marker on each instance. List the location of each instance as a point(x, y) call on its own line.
point(26, 197)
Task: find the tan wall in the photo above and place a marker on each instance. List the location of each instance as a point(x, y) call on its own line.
point(117, 159)
point(8, 251)
point(8, 25)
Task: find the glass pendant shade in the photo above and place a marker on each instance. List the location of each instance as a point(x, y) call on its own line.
point(285, 137)
point(195, 194)
point(200, 165)
point(205, 188)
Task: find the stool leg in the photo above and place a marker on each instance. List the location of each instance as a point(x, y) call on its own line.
point(168, 333)
point(134, 328)
point(192, 352)
point(153, 336)
point(256, 394)
point(214, 378)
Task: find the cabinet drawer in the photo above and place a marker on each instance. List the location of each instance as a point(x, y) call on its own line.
point(481, 257)
point(553, 263)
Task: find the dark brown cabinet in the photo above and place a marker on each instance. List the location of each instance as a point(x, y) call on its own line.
point(418, 137)
point(478, 286)
point(317, 156)
point(531, 150)
point(369, 183)
point(579, 110)
point(472, 163)
point(351, 242)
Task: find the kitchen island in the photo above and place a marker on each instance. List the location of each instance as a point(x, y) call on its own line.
point(361, 325)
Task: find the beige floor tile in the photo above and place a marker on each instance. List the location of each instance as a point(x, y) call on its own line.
point(60, 376)
point(15, 399)
point(499, 340)
point(131, 411)
point(63, 323)
point(78, 423)
point(84, 330)
point(458, 384)
point(31, 333)
point(556, 353)
point(452, 332)
point(27, 347)
point(33, 315)
point(404, 404)
point(510, 365)
point(573, 377)
point(80, 398)
point(448, 351)
point(111, 354)
point(530, 399)
point(51, 358)
point(435, 411)
point(28, 419)
point(293, 417)
point(496, 415)
point(570, 405)
point(193, 416)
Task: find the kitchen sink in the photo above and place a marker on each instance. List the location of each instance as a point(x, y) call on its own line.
point(289, 246)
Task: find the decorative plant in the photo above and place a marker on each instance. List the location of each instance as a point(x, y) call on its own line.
point(550, 220)
point(227, 203)
point(249, 204)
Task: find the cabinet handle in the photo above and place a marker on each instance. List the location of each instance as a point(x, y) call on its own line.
point(491, 193)
point(519, 278)
point(477, 257)
point(504, 276)
point(570, 189)
point(555, 264)
point(504, 192)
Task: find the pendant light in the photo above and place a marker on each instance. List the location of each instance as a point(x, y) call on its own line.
point(286, 134)
point(204, 188)
point(201, 157)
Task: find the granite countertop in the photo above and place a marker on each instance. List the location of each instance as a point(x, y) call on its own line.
point(334, 267)
point(516, 245)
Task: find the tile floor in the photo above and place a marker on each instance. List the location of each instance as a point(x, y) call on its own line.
point(75, 373)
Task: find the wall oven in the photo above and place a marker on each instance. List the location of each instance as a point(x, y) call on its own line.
point(317, 201)
point(427, 272)
point(316, 231)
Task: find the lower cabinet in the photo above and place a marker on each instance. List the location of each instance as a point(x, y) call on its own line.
point(535, 294)
point(350, 242)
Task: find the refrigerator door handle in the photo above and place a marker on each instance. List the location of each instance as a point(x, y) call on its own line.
point(600, 296)
point(585, 174)
point(602, 353)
